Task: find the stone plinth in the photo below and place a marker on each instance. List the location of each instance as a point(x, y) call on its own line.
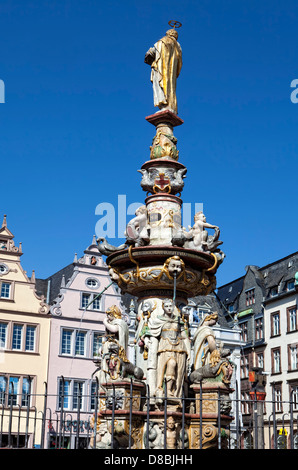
point(210, 413)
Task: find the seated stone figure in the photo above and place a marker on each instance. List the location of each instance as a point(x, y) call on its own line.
point(210, 358)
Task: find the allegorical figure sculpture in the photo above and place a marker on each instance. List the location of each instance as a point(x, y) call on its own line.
point(210, 359)
point(116, 335)
point(165, 58)
point(173, 350)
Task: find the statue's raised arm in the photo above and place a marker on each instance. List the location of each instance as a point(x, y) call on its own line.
point(165, 59)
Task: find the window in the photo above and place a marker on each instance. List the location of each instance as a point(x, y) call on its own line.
point(78, 390)
point(86, 298)
point(250, 297)
point(17, 336)
point(278, 398)
point(293, 360)
point(97, 341)
point(3, 384)
point(244, 366)
point(3, 335)
point(66, 341)
point(30, 338)
point(294, 396)
point(93, 397)
point(74, 343)
point(245, 399)
point(243, 327)
point(64, 393)
point(3, 268)
point(259, 329)
point(275, 324)
point(276, 365)
point(5, 290)
point(80, 344)
point(26, 391)
point(92, 299)
point(92, 283)
point(292, 318)
point(96, 304)
point(15, 390)
point(260, 360)
point(274, 292)
point(290, 285)
point(72, 394)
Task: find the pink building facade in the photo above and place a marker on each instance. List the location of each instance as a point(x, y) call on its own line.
point(76, 333)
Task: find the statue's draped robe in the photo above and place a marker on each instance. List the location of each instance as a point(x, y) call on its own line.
point(164, 71)
point(201, 350)
point(171, 345)
point(121, 338)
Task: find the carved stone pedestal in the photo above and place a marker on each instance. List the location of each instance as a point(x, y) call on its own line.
point(208, 426)
point(119, 418)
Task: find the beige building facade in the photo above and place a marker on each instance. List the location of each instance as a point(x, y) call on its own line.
point(24, 348)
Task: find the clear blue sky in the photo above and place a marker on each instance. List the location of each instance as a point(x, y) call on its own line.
point(73, 129)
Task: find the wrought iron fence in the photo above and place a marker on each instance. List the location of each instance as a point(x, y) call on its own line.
point(262, 426)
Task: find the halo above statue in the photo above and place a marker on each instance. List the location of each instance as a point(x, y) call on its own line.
point(175, 24)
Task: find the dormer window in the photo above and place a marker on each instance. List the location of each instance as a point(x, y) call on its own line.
point(250, 297)
point(290, 285)
point(274, 292)
point(3, 245)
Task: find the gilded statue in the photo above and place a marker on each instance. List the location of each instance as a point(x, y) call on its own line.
point(165, 58)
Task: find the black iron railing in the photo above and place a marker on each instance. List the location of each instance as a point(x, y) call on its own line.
point(264, 426)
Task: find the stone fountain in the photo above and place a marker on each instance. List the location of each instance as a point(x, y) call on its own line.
point(168, 398)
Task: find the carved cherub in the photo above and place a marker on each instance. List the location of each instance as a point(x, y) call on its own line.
point(137, 229)
point(198, 236)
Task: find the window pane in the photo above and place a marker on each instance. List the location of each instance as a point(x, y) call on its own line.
point(17, 337)
point(25, 391)
point(5, 290)
point(293, 319)
point(97, 340)
point(93, 395)
point(30, 338)
point(65, 394)
point(80, 344)
point(13, 390)
point(85, 300)
point(3, 383)
point(3, 333)
point(66, 342)
point(77, 393)
point(96, 303)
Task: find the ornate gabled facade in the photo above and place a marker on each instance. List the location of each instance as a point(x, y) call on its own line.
point(24, 347)
point(77, 328)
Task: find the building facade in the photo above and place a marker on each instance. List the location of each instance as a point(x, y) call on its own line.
point(263, 303)
point(77, 328)
point(24, 348)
